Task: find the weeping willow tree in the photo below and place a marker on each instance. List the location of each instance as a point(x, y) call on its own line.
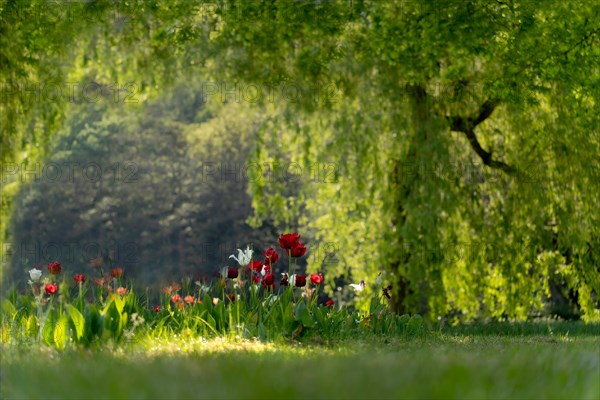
point(56, 56)
point(455, 143)
point(464, 138)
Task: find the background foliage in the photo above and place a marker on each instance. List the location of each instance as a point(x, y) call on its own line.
point(455, 142)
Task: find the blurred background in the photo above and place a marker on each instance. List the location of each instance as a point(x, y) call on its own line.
point(441, 146)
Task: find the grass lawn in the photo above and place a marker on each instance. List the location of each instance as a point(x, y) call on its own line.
point(558, 361)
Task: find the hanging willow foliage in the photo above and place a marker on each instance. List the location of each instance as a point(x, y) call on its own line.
point(456, 143)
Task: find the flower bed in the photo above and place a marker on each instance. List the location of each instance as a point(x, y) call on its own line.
point(245, 301)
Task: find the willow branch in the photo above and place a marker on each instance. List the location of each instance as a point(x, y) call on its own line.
point(467, 125)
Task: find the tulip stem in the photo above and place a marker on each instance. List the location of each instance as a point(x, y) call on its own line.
point(294, 266)
point(81, 295)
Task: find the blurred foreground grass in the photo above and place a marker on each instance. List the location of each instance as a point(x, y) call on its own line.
point(561, 361)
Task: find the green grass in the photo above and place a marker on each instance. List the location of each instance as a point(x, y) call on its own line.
point(549, 361)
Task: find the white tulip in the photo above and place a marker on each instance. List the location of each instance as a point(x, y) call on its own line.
point(292, 280)
point(35, 274)
point(358, 287)
point(244, 257)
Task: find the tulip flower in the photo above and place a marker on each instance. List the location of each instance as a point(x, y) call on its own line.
point(316, 279)
point(189, 299)
point(271, 256)
point(35, 274)
point(116, 272)
point(298, 251)
point(358, 287)
point(256, 265)
point(243, 257)
point(51, 288)
point(284, 280)
point(232, 272)
point(268, 281)
point(288, 241)
point(54, 268)
point(300, 280)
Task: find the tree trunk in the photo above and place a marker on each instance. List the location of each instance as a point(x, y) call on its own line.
point(405, 181)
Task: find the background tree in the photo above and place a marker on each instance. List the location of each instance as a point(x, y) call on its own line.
point(427, 93)
point(463, 135)
point(158, 189)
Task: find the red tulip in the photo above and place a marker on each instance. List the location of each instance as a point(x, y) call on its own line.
point(256, 265)
point(121, 291)
point(54, 268)
point(316, 279)
point(116, 273)
point(271, 256)
point(232, 272)
point(300, 280)
point(268, 281)
point(284, 280)
point(231, 297)
point(80, 278)
point(256, 279)
point(100, 281)
point(329, 303)
point(176, 298)
point(173, 287)
point(288, 241)
point(298, 251)
point(189, 299)
point(157, 309)
point(51, 288)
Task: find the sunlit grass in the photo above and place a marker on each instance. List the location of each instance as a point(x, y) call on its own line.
point(441, 365)
point(241, 339)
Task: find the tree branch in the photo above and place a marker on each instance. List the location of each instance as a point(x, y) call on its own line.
point(467, 126)
point(583, 39)
point(462, 124)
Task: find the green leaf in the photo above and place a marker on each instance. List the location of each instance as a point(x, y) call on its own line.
point(31, 326)
point(94, 324)
point(415, 325)
point(78, 321)
point(303, 315)
point(8, 308)
point(211, 323)
point(112, 320)
point(262, 332)
point(61, 332)
point(49, 327)
point(403, 320)
point(307, 319)
point(119, 303)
